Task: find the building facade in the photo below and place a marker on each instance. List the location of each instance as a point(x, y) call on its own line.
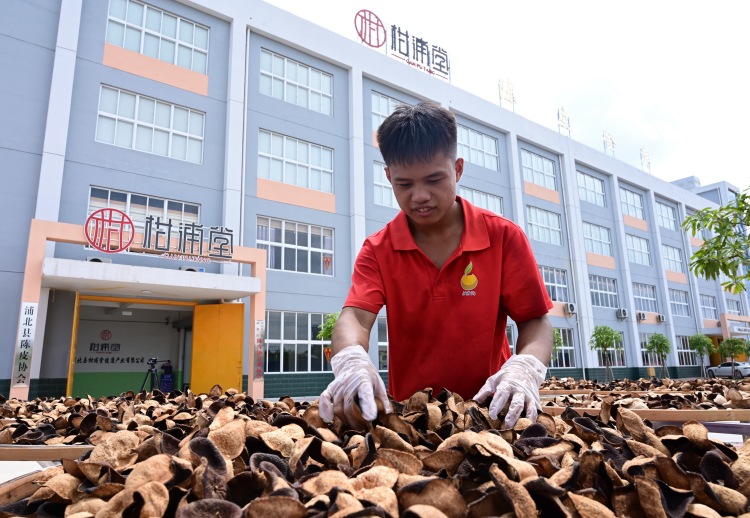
point(255, 128)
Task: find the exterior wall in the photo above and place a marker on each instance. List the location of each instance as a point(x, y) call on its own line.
point(227, 188)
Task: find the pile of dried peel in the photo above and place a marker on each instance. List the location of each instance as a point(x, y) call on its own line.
point(224, 454)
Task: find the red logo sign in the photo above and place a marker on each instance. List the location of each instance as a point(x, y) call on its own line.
point(369, 27)
point(109, 230)
point(105, 335)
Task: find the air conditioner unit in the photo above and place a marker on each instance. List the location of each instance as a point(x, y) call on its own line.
point(570, 308)
point(94, 259)
point(622, 313)
point(718, 324)
point(192, 269)
point(640, 315)
point(661, 318)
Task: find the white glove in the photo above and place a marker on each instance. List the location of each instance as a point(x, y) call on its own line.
point(519, 377)
point(355, 377)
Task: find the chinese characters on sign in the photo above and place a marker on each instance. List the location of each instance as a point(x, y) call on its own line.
point(260, 331)
point(24, 344)
point(411, 49)
point(111, 231)
point(109, 360)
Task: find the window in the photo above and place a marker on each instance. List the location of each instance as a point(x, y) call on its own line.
point(708, 307)
point(510, 334)
point(296, 247)
point(544, 225)
point(145, 124)
point(158, 34)
point(292, 343)
point(538, 169)
point(478, 148)
point(631, 203)
point(140, 206)
point(383, 190)
point(565, 356)
point(638, 250)
point(665, 216)
point(644, 296)
point(603, 291)
point(648, 358)
point(596, 239)
point(482, 199)
point(590, 189)
point(733, 307)
point(616, 356)
point(685, 355)
point(382, 107)
point(382, 344)
point(556, 282)
point(672, 258)
point(678, 302)
point(295, 83)
point(295, 162)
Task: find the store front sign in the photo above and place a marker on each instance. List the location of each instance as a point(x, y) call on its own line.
point(24, 345)
point(407, 47)
point(111, 231)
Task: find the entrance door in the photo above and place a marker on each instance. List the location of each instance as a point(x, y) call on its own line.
point(218, 332)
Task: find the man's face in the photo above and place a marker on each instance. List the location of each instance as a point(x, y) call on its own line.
point(426, 191)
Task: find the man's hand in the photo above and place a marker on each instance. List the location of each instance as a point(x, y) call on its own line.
point(356, 379)
point(519, 379)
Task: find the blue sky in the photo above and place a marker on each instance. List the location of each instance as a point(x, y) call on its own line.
point(671, 76)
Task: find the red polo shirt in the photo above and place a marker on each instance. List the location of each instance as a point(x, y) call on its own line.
point(447, 328)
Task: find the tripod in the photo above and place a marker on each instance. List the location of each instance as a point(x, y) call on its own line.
point(154, 378)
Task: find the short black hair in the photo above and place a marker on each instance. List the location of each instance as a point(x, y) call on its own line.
point(417, 134)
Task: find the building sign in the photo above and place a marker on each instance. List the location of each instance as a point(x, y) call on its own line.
point(112, 231)
point(260, 331)
point(742, 330)
point(109, 230)
point(24, 345)
point(403, 45)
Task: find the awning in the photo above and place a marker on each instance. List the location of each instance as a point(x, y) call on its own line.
point(140, 281)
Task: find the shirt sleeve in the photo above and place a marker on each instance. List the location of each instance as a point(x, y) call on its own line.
point(367, 291)
point(523, 293)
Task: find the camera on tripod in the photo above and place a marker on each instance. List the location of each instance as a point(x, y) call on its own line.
point(152, 361)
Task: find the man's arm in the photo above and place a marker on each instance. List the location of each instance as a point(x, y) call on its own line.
point(352, 327)
point(535, 338)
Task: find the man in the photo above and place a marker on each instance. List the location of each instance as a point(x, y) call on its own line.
point(450, 273)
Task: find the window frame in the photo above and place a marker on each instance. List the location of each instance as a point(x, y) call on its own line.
point(644, 297)
point(558, 292)
point(536, 230)
point(648, 359)
point(677, 305)
point(602, 288)
point(636, 253)
point(287, 84)
point(616, 355)
point(381, 324)
point(686, 357)
point(377, 116)
point(666, 216)
point(382, 188)
point(565, 357)
point(631, 203)
point(299, 343)
point(669, 260)
point(587, 190)
point(473, 143)
point(597, 239)
point(144, 31)
point(120, 120)
point(289, 163)
point(538, 176)
point(279, 247)
point(476, 197)
point(137, 222)
point(714, 309)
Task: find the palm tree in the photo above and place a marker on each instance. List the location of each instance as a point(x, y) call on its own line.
point(703, 346)
point(731, 347)
point(659, 345)
point(603, 339)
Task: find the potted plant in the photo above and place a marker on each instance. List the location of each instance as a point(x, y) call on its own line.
point(326, 332)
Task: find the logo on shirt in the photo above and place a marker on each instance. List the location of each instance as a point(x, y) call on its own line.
point(469, 281)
